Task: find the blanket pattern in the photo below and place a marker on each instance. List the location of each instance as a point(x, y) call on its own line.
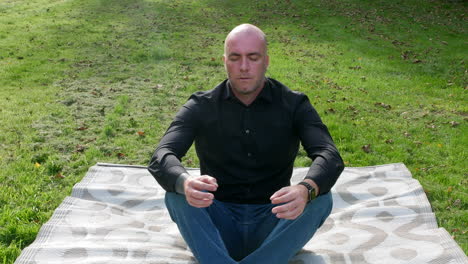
point(116, 214)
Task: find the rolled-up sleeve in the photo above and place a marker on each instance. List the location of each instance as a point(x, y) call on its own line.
point(165, 164)
point(327, 164)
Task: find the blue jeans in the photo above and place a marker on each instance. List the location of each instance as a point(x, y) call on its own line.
point(245, 233)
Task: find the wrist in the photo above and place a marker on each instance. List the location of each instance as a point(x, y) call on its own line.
point(314, 185)
point(180, 183)
point(311, 192)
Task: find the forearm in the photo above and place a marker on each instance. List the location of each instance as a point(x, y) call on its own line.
point(325, 170)
point(166, 169)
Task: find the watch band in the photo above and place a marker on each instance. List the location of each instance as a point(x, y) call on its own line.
point(311, 190)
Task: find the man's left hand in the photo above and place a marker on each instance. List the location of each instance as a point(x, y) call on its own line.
point(293, 200)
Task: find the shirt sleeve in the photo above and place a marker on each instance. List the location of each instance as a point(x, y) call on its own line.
point(327, 164)
point(165, 164)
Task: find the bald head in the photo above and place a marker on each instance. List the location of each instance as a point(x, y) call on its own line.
point(245, 30)
point(246, 61)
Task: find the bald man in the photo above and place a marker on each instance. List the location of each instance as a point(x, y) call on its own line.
point(247, 130)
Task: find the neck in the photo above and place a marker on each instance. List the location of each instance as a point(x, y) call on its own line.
point(248, 98)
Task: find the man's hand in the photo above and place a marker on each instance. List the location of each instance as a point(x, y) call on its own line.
point(293, 199)
point(195, 190)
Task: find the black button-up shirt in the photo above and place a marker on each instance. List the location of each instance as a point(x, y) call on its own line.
point(250, 150)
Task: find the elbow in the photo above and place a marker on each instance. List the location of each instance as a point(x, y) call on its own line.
point(339, 165)
point(154, 167)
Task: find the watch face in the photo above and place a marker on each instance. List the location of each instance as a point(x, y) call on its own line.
point(311, 194)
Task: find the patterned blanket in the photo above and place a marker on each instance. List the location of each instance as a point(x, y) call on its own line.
point(116, 214)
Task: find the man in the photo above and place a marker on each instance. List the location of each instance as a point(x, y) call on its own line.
point(247, 132)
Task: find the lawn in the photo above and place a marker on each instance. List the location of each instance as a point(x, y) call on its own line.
point(99, 81)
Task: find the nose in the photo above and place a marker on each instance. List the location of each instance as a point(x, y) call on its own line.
point(245, 66)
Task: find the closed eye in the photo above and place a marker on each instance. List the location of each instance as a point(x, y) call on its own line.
point(254, 57)
point(234, 57)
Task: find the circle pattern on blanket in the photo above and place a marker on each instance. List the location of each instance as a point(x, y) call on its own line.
point(378, 191)
point(404, 253)
point(338, 238)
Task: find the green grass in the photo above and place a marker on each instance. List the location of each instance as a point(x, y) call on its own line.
point(100, 80)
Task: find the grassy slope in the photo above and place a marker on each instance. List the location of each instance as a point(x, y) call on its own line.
point(88, 81)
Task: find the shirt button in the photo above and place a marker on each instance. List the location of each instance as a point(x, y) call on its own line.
point(247, 131)
point(249, 154)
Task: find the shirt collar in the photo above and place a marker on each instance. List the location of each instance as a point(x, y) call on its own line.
point(265, 94)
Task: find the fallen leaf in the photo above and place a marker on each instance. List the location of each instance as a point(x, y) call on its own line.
point(367, 148)
point(405, 55)
point(82, 128)
point(59, 175)
point(454, 123)
point(397, 43)
point(80, 148)
point(355, 67)
point(37, 165)
point(417, 61)
point(386, 106)
point(120, 155)
point(90, 140)
point(141, 133)
point(213, 58)
point(389, 141)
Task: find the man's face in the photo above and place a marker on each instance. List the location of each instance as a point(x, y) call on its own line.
point(246, 62)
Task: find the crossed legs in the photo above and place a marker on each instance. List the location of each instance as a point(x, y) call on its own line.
point(245, 233)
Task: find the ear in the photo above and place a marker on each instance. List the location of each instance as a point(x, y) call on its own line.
point(224, 61)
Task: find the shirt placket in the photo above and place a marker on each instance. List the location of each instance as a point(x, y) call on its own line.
point(248, 133)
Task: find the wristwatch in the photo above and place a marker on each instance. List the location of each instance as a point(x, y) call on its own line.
point(311, 190)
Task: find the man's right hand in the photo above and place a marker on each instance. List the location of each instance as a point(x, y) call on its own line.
point(195, 189)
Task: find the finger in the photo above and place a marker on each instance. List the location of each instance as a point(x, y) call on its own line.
point(285, 197)
point(200, 185)
point(283, 208)
point(199, 199)
point(208, 179)
point(290, 215)
point(279, 193)
point(195, 194)
point(291, 211)
point(199, 203)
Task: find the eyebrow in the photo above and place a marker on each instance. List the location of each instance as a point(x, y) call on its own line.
point(248, 54)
